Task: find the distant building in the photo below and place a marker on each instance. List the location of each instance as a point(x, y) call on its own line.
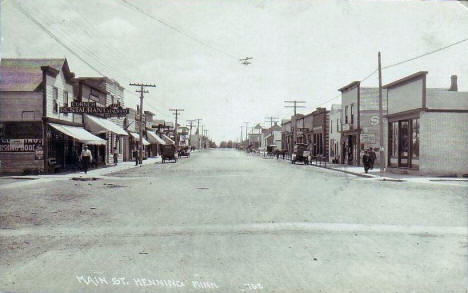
point(334, 134)
point(427, 127)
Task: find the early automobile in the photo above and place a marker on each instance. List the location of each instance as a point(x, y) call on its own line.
point(168, 153)
point(270, 150)
point(300, 154)
point(184, 152)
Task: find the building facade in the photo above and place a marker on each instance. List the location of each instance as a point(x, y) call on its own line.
point(360, 128)
point(427, 127)
point(35, 136)
point(334, 134)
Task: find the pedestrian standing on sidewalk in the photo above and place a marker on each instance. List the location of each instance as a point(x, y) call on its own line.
point(373, 157)
point(135, 154)
point(116, 156)
point(86, 158)
point(366, 161)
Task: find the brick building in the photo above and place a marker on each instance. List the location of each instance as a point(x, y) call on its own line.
point(427, 127)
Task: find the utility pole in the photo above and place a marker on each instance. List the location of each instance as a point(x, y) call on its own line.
point(271, 119)
point(176, 127)
point(198, 129)
point(202, 139)
point(242, 134)
point(190, 122)
point(205, 132)
point(293, 121)
point(246, 132)
point(382, 161)
point(142, 91)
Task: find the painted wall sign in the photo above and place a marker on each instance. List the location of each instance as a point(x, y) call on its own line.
point(20, 145)
point(113, 110)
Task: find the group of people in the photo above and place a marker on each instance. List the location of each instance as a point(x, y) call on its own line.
point(368, 159)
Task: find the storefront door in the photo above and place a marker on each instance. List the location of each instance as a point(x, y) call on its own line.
point(404, 143)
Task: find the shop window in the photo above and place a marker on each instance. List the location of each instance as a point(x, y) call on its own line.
point(346, 114)
point(28, 115)
point(55, 98)
point(393, 139)
point(415, 139)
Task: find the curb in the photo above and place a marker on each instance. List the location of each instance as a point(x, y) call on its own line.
point(346, 171)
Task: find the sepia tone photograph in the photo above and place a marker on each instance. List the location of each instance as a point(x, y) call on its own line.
point(233, 146)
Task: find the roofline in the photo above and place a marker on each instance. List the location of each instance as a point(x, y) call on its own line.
point(405, 79)
point(83, 81)
point(106, 78)
point(350, 86)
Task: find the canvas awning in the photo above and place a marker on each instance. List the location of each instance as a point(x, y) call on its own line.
point(79, 133)
point(154, 138)
point(167, 139)
point(101, 125)
point(136, 137)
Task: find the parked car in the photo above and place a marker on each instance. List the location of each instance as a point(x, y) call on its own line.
point(184, 152)
point(300, 154)
point(168, 153)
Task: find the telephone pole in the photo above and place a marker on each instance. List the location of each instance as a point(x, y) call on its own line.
point(246, 132)
point(242, 134)
point(190, 124)
point(176, 127)
point(293, 121)
point(381, 141)
point(205, 132)
point(198, 129)
point(271, 119)
point(142, 91)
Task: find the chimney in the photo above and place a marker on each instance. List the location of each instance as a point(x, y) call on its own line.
point(453, 85)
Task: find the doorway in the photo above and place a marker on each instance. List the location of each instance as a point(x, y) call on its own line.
point(404, 144)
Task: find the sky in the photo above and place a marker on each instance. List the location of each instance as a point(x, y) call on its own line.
point(301, 49)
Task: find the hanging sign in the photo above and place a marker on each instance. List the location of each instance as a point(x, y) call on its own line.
point(113, 110)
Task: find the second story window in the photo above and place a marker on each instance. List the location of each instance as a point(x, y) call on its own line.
point(352, 113)
point(331, 126)
point(112, 100)
point(65, 100)
point(346, 115)
point(55, 99)
point(337, 125)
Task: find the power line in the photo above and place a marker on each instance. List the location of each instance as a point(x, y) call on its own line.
point(402, 62)
point(74, 52)
point(425, 54)
point(29, 16)
point(180, 31)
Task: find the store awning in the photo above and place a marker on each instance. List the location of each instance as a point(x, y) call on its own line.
point(101, 125)
point(154, 138)
point(136, 137)
point(79, 133)
point(167, 139)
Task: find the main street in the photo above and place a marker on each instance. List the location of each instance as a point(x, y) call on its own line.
point(226, 221)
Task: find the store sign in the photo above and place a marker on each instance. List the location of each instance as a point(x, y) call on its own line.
point(368, 138)
point(374, 120)
point(113, 110)
point(21, 145)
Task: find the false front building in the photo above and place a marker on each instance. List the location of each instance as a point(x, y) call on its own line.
point(34, 135)
point(427, 127)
